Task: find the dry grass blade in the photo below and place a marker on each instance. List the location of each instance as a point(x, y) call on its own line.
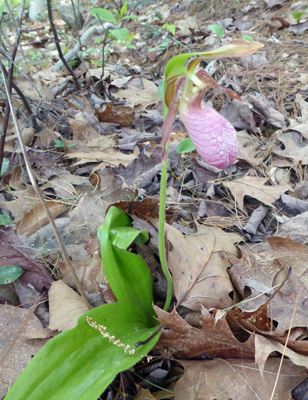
point(282, 357)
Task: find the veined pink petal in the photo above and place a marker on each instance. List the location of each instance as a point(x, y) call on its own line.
point(213, 136)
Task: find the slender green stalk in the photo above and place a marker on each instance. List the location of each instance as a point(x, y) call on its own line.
point(161, 232)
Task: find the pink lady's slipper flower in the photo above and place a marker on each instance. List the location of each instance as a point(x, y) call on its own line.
point(213, 136)
point(184, 87)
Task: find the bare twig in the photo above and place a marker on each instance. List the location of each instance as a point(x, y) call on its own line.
point(93, 30)
point(7, 109)
point(40, 196)
point(76, 21)
point(25, 102)
point(55, 34)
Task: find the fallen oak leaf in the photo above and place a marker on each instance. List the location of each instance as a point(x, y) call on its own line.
point(236, 379)
point(12, 252)
point(116, 115)
point(214, 340)
point(291, 253)
point(22, 335)
point(294, 148)
point(259, 278)
point(265, 346)
point(203, 251)
point(255, 187)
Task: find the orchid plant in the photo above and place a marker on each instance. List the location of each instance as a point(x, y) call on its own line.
point(212, 135)
point(81, 362)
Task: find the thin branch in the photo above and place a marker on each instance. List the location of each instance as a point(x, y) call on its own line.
point(65, 255)
point(61, 56)
point(76, 20)
point(24, 100)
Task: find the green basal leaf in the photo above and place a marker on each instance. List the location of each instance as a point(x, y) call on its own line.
point(5, 220)
point(121, 34)
point(9, 274)
point(125, 270)
point(123, 237)
point(5, 165)
point(217, 29)
point(80, 363)
point(186, 146)
point(103, 14)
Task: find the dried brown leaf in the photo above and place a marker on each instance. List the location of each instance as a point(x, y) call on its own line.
point(22, 336)
point(236, 379)
point(65, 307)
point(266, 346)
point(37, 217)
point(260, 277)
point(13, 252)
point(188, 255)
point(214, 340)
point(294, 148)
point(255, 187)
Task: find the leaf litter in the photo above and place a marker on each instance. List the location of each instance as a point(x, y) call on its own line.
point(233, 299)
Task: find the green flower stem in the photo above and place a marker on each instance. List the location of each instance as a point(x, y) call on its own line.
point(161, 232)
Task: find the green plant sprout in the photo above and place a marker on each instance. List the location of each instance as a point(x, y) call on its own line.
point(119, 34)
point(218, 30)
point(9, 274)
point(298, 15)
point(5, 166)
point(59, 144)
point(80, 363)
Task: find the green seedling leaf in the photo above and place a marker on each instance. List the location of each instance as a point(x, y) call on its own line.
point(103, 14)
point(170, 28)
point(124, 9)
point(117, 13)
point(121, 34)
point(83, 361)
point(217, 29)
point(9, 274)
point(186, 146)
point(130, 17)
point(59, 143)
point(298, 15)
point(5, 220)
point(5, 165)
point(248, 38)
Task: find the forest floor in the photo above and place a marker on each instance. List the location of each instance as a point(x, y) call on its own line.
point(236, 238)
